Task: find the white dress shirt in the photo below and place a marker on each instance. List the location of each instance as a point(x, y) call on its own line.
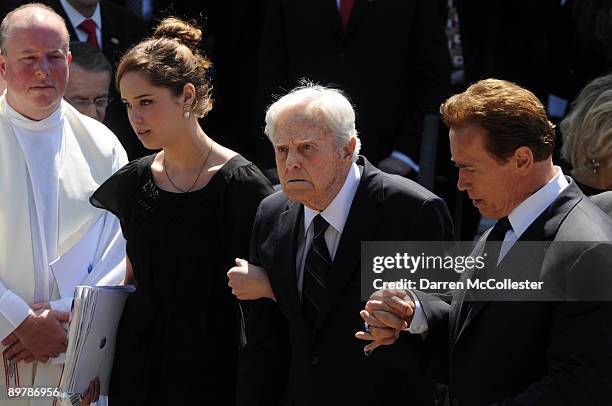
point(520, 219)
point(77, 18)
point(335, 214)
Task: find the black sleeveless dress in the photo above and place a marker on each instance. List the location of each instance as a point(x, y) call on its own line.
point(178, 338)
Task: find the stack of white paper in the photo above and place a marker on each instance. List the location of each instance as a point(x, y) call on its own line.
point(91, 339)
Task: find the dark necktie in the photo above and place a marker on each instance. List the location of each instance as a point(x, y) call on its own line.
point(316, 270)
point(346, 6)
point(497, 234)
point(89, 27)
point(492, 248)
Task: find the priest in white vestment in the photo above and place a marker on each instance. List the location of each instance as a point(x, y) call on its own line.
point(52, 159)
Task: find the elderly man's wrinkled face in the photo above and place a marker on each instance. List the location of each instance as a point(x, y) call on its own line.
point(311, 167)
point(87, 91)
point(35, 65)
point(492, 185)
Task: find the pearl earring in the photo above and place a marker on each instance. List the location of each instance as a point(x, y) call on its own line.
point(187, 113)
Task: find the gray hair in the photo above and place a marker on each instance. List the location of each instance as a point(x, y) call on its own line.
point(7, 22)
point(318, 102)
point(587, 129)
point(89, 57)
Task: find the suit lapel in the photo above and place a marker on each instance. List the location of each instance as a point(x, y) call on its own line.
point(360, 226)
point(286, 246)
point(459, 308)
point(361, 8)
point(328, 13)
point(544, 228)
point(57, 6)
point(111, 40)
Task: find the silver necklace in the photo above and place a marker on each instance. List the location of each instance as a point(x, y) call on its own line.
point(196, 179)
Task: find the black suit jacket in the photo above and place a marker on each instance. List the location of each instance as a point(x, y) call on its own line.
point(120, 31)
point(392, 61)
point(531, 353)
point(328, 368)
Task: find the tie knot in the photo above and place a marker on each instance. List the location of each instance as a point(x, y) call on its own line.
point(89, 26)
point(320, 225)
point(499, 230)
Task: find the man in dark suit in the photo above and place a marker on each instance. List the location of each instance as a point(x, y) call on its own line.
point(116, 30)
point(307, 237)
point(500, 351)
point(390, 56)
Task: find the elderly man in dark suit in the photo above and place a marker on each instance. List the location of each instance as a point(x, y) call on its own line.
point(506, 352)
point(307, 237)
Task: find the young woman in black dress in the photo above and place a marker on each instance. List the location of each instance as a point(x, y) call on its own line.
point(186, 213)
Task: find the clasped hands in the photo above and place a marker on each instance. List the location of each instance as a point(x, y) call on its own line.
point(386, 314)
point(39, 337)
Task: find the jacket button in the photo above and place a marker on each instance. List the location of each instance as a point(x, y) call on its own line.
point(314, 360)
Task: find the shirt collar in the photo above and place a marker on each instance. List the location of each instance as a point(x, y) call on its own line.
point(19, 120)
point(530, 209)
point(337, 211)
point(77, 18)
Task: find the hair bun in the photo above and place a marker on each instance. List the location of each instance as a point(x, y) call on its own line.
point(181, 31)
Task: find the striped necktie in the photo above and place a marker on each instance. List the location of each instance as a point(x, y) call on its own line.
point(316, 270)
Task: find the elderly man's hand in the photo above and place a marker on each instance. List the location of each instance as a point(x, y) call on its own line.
point(397, 302)
point(42, 334)
point(387, 313)
point(249, 282)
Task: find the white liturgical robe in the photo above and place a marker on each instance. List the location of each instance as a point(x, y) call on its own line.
point(51, 238)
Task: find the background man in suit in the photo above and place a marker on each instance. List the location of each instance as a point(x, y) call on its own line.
point(89, 80)
point(307, 237)
point(503, 352)
point(377, 51)
point(112, 29)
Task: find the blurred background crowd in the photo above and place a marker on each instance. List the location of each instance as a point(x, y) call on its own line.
point(396, 60)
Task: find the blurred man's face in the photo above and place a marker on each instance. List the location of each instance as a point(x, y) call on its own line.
point(492, 185)
point(87, 91)
point(35, 66)
point(311, 167)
